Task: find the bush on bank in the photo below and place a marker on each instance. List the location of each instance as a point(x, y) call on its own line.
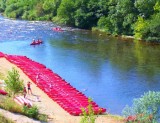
point(145, 109)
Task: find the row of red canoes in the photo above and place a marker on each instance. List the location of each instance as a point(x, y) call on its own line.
point(60, 91)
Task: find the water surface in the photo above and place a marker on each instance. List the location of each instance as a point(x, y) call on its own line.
point(110, 71)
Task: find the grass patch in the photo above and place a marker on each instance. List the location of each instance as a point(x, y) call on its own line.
point(2, 76)
point(4, 119)
point(8, 103)
point(116, 117)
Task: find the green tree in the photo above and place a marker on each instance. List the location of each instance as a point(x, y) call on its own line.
point(66, 12)
point(140, 28)
point(81, 14)
point(39, 9)
point(51, 6)
point(157, 7)
point(105, 24)
point(122, 15)
point(2, 5)
point(13, 83)
point(153, 29)
point(88, 12)
point(145, 7)
point(148, 29)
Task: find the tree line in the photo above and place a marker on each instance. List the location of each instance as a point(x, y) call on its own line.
point(138, 18)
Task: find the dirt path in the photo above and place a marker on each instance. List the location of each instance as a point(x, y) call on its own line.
point(47, 105)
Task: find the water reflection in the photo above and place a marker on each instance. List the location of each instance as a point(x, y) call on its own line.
point(126, 56)
point(123, 70)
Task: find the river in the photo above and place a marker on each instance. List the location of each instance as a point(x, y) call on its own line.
point(109, 70)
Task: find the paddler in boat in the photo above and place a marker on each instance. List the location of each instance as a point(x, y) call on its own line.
point(33, 41)
point(59, 29)
point(39, 41)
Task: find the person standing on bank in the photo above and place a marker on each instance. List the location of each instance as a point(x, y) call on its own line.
point(29, 87)
point(24, 92)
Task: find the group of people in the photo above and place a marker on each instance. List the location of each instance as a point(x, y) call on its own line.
point(57, 29)
point(28, 90)
point(36, 41)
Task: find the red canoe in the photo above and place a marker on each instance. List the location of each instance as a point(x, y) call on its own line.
point(3, 92)
point(58, 29)
point(36, 42)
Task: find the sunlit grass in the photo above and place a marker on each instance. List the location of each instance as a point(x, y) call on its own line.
point(2, 77)
point(9, 104)
point(4, 119)
point(116, 117)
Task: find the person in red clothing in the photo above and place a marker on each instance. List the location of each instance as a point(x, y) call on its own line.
point(24, 92)
point(29, 87)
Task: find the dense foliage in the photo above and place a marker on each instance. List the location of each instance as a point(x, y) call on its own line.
point(122, 17)
point(145, 109)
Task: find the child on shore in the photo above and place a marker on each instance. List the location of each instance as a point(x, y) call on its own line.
point(29, 87)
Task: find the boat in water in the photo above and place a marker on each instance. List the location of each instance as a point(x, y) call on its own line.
point(57, 29)
point(36, 42)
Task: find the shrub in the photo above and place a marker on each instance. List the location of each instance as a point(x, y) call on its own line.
point(34, 113)
point(31, 111)
point(88, 114)
point(42, 117)
point(13, 83)
point(146, 109)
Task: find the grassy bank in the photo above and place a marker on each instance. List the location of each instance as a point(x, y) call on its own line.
point(7, 103)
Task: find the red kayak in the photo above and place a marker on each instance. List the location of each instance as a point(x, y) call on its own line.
point(58, 29)
point(36, 42)
point(3, 92)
